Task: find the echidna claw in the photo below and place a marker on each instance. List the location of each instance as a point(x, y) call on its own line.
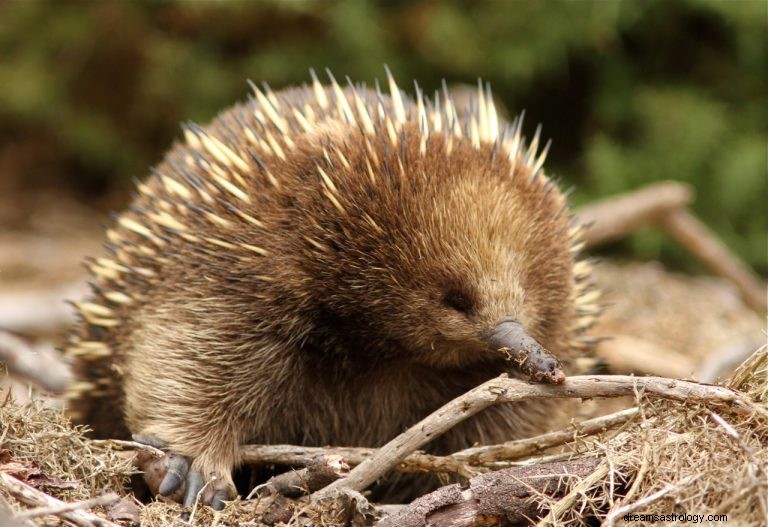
point(217, 502)
point(176, 473)
point(195, 484)
point(172, 476)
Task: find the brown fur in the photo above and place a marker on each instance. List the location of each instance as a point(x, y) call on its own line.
point(321, 313)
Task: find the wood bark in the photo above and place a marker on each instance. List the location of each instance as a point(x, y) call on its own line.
point(31, 496)
point(618, 216)
point(505, 497)
point(704, 245)
point(465, 462)
point(503, 390)
point(45, 370)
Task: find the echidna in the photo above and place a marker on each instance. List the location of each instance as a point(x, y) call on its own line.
point(327, 265)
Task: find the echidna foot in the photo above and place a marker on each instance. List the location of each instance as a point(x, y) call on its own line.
point(174, 477)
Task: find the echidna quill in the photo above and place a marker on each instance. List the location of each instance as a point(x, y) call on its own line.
point(327, 265)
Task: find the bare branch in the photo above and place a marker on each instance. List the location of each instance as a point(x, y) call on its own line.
point(129, 445)
point(31, 496)
point(704, 245)
point(59, 510)
point(525, 447)
point(504, 390)
point(294, 483)
point(44, 370)
point(496, 498)
point(465, 462)
point(618, 216)
point(293, 455)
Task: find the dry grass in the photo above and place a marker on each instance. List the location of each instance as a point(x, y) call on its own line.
point(682, 459)
point(39, 445)
point(673, 458)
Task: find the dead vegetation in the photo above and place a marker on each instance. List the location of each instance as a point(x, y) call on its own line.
point(687, 448)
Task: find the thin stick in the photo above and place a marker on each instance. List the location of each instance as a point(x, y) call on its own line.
point(506, 390)
point(301, 455)
point(525, 447)
point(295, 483)
point(465, 462)
point(57, 510)
point(566, 502)
point(704, 245)
point(616, 217)
point(31, 496)
point(664, 204)
point(45, 370)
point(131, 445)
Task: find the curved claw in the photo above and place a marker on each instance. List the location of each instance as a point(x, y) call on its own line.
point(217, 492)
point(173, 476)
point(217, 501)
point(176, 473)
point(195, 484)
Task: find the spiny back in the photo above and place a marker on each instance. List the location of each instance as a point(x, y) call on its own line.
point(299, 201)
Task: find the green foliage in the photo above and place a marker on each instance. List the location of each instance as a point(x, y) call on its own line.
point(91, 93)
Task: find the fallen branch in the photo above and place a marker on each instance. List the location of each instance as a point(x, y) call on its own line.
point(704, 245)
point(618, 216)
point(294, 483)
point(664, 204)
point(525, 447)
point(31, 496)
point(293, 455)
point(500, 497)
point(44, 370)
point(59, 510)
point(465, 462)
point(505, 390)
point(133, 446)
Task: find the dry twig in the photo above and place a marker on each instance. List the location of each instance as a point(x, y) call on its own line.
point(499, 497)
point(505, 390)
point(31, 496)
point(59, 510)
point(129, 445)
point(618, 216)
point(316, 475)
point(465, 462)
point(45, 371)
point(704, 245)
point(664, 204)
point(525, 447)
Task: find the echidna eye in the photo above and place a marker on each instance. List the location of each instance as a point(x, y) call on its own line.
point(459, 300)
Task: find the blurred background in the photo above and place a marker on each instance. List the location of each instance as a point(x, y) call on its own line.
point(631, 92)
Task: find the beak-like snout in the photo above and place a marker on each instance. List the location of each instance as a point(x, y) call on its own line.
point(510, 337)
